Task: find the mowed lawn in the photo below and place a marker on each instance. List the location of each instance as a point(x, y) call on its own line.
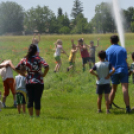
point(69, 101)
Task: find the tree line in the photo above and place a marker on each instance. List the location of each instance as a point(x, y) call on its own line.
point(14, 19)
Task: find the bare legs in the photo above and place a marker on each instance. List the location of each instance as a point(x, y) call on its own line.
point(58, 65)
point(124, 90)
point(23, 108)
point(100, 100)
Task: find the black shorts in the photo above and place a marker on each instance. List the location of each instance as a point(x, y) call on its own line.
point(86, 60)
point(92, 60)
point(105, 88)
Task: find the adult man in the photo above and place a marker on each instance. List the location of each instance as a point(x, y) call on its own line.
point(117, 56)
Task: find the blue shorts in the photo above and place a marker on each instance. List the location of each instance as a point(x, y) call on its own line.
point(119, 78)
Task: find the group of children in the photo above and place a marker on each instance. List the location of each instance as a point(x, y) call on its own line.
point(102, 70)
point(87, 56)
point(17, 85)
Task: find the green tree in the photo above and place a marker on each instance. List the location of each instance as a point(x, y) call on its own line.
point(11, 17)
point(128, 16)
point(103, 21)
point(39, 18)
point(77, 9)
point(60, 13)
point(82, 25)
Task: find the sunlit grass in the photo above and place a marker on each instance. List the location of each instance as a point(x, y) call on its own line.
point(69, 99)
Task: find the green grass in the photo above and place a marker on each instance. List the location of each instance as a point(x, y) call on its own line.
point(69, 99)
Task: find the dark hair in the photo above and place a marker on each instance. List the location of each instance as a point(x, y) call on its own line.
point(102, 54)
point(31, 51)
point(114, 39)
point(80, 40)
point(133, 55)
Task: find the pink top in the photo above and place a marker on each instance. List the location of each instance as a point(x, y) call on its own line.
point(84, 53)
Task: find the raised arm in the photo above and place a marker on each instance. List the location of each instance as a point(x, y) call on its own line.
point(33, 38)
point(98, 42)
point(39, 38)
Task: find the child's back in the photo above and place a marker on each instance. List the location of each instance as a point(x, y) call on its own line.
point(20, 83)
point(102, 69)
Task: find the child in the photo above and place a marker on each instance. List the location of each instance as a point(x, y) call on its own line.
point(72, 56)
point(92, 50)
point(103, 79)
point(84, 53)
point(8, 81)
point(132, 67)
point(0, 102)
point(19, 84)
point(36, 41)
point(57, 54)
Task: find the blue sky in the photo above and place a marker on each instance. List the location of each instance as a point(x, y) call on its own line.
point(66, 5)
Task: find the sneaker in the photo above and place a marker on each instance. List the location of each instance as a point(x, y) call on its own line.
point(67, 69)
point(107, 112)
point(4, 105)
point(54, 71)
point(15, 105)
point(128, 110)
point(99, 111)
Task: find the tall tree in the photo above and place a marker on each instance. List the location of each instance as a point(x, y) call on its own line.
point(60, 12)
point(77, 8)
point(39, 18)
point(103, 21)
point(11, 17)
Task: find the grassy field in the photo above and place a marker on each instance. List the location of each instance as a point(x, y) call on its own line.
point(69, 99)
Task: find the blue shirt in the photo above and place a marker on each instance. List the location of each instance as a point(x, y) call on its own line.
point(117, 56)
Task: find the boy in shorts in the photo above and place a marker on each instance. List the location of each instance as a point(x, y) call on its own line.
point(92, 50)
point(20, 83)
point(72, 56)
point(102, 74)
point(8, 81)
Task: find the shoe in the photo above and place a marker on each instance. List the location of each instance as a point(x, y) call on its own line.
point(54, 71)
point(99, 111)
point(67, 69)
point(107, 112)
point(4, 105)
point(15, 105)
point(128, 110)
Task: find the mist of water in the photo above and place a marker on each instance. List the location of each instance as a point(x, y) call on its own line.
point(119, 21)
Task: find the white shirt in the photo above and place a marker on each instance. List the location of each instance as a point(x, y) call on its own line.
point(6, 72)
point(58, 50)
point(20, 83)
point(102, 69)
point(38, 50)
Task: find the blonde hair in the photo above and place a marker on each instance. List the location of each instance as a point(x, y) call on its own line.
point(58, 42)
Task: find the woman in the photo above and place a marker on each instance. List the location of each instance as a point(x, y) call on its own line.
point(34, 78)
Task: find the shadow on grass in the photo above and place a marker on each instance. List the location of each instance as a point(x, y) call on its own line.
point(121, 112)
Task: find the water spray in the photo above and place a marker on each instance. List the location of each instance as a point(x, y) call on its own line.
point(118, 17)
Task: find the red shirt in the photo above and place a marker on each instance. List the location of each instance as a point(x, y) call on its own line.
point(84, 52)
point(33, 67)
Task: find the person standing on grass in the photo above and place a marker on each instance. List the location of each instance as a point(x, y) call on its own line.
point(72, 56)
point(84, 53)
point(57, 54)
point(117, 56)
point(20, 86)
point(103, 79)
point(92, 50)
point(8, 81)
point(36, 41)
point(34, 78)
